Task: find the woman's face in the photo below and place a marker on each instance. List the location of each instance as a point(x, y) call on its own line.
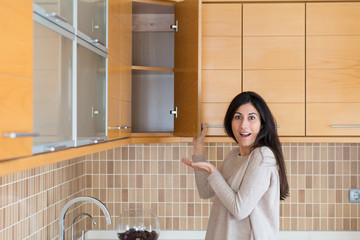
point(246, 125)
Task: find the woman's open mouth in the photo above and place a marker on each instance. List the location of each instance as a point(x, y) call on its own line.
point(245, 134)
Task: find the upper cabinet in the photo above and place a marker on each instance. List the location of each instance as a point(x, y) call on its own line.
point(16, 84)
point(165, 77)
point(70, 74)
point(274, 61)
point(333, 69)
point(221, 62)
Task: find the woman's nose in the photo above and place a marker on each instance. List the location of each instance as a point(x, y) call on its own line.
point(243, 124)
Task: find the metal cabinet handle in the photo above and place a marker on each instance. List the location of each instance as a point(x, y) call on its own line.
point(214, 126)
point(19, 134)
point(54, 15)
point(221, 126)
point(54, 148)
point(97, 42)
point(345, 126)
point(118, 128)
point(97, 140)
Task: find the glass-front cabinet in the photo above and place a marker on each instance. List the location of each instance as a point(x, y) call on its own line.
point(70, 73)
point(92, 21)
point(52, 87)
point(91, 92)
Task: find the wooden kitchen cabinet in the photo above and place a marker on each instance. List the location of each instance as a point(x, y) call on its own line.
point(274, 61)
point(16, 72)
point(221, 62)
point(333, 69)
point(119, 69)
point(165, 63)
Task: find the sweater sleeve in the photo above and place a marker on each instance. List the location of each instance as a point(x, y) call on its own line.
point(204, 188)
point(255, 183)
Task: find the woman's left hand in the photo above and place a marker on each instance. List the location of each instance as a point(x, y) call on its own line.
point(200, 166)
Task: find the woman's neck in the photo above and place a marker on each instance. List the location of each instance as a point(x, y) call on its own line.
point(244, 151)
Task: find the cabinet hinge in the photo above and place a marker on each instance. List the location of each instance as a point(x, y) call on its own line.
point(175, 26)
point(174, 112)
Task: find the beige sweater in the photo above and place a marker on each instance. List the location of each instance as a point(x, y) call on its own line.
point(246, 192)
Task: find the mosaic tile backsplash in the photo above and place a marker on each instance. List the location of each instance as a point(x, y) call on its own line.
point(152, 176)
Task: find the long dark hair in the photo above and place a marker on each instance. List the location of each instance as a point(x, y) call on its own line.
point(268, 133)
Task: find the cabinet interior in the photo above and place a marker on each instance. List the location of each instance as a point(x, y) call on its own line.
point(153, 64)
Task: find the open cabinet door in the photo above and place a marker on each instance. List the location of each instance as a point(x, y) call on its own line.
point(186, 71)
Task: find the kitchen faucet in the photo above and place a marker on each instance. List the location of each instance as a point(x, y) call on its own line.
point(75, 200)
point(73, 223)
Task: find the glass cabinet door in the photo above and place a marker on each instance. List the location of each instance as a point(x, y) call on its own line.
point(52, 86)
point(91, 94)
point(58, 11)
point(92, 20)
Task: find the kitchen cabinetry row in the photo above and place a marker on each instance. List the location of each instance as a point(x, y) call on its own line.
point(303, 58)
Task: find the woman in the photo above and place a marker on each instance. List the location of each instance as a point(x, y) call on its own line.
point(250, 183)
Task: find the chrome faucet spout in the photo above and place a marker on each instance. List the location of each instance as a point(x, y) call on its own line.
point(79, 199)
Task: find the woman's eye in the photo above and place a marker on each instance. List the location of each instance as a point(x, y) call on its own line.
point(237, 117)
point(252, 118)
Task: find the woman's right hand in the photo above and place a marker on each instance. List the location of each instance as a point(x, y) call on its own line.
point(198, 142)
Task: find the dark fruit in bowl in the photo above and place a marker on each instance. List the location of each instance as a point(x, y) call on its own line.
point(133, 234)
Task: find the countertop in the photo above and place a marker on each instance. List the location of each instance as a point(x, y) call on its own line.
point(164, 235)
point(200, 235)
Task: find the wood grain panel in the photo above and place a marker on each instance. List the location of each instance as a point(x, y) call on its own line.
point(340, 85)
point(220, 85)
point(221, 53)
point(16, 111)
point(213, 114)
point(16, 72)
point(16, 43)
point(333, 52)
point(125, 83)
point(114, 28)
point(276, 85)
point(320, 117)
point(274, 53)
point(125, 118)
point(113, 118)
point(114, 73)
point(119, 64)
point(186, 71)
point(220, 20)
point(340, 18)
point(114, 76)
point(274, 19)
point(290, 118)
